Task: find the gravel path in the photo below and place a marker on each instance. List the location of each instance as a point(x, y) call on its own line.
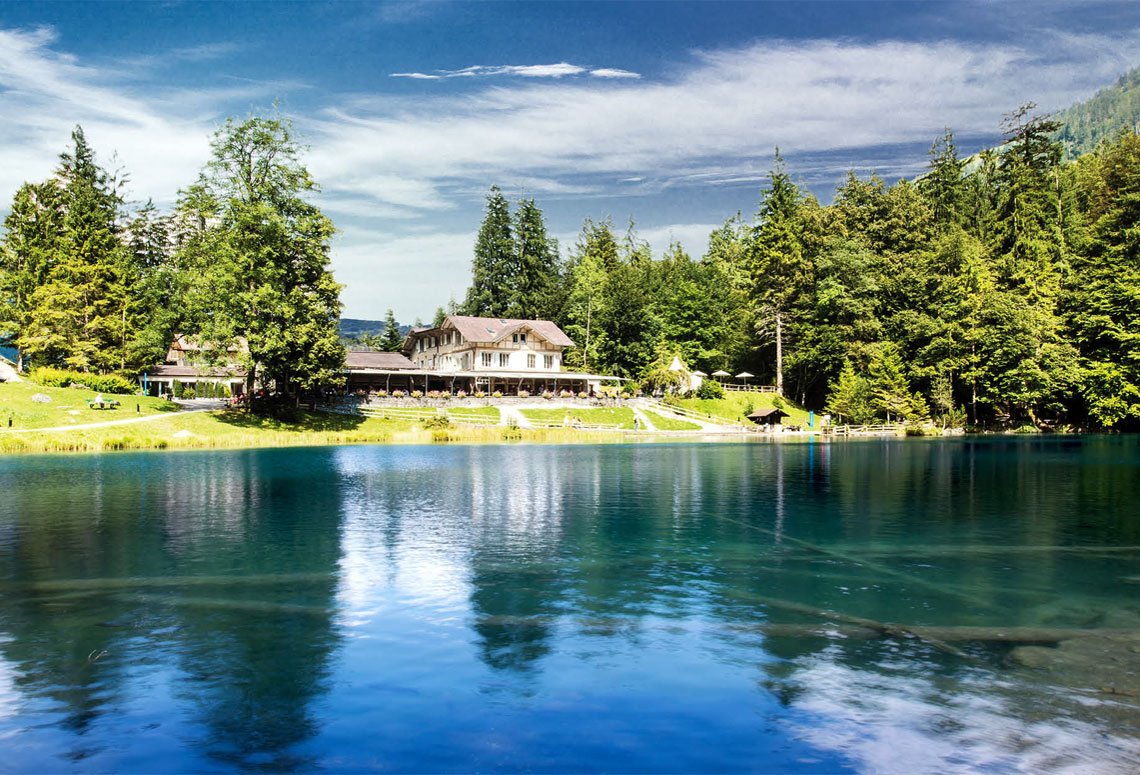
point(109, 423)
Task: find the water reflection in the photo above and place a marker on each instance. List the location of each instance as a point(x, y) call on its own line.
point(211, 575)
point(610, 608)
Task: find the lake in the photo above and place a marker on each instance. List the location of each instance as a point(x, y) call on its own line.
point(762, 607)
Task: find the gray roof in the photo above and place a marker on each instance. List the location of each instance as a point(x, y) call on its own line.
point(496, 329)
point(192, 371)
point(371, 359)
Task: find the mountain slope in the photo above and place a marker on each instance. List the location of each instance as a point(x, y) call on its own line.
point(1110, 110)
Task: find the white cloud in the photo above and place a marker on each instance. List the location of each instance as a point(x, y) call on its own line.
point(526, 71)
point(555, 131)
point(613, 72)
point(724, 114)
point(161, 142)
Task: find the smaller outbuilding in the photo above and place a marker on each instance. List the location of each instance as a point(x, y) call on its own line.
point(767, 416)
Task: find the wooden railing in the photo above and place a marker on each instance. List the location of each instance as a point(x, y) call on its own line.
point(847, 430)
point(692, 414)
point(751, 388)
point(473, 419)
point(398, 413)
point(580, 426)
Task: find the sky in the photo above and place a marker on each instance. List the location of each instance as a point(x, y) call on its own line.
point(664, 114)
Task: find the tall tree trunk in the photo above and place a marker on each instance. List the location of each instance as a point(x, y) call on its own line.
point(249, 382)
point(779, 353)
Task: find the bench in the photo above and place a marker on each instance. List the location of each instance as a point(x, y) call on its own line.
point(106, 403)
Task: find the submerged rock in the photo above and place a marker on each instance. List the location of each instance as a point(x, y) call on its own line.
point(1103, 664)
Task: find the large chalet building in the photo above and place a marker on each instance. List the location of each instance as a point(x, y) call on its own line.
point(473, 354)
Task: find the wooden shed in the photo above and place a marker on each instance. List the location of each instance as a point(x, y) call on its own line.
point(767, 416)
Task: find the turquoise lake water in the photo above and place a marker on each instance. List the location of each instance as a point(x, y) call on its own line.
point(642, 608)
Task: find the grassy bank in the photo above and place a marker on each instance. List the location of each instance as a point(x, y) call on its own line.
point(736, 405)
point(666, 423)
point(233, 429)
point(68, 407)
point(620, 416)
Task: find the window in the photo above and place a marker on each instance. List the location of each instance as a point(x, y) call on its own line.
point(548, 362)
point(530, 361)
point(518, 338)
point(504, 359)
point(487, 359)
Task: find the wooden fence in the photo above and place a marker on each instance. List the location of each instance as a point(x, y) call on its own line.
point(751, 388)
point(692, 414)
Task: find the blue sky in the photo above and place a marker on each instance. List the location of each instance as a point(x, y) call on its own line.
point(666, 113)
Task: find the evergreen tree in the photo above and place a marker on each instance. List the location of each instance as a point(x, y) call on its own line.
point(1106, 303)
point(942, 185)
point(593, 257)
point(494, 265)
point(849, 399)
point(889, 389)
point(780, 271)
point(83, 312)
point(260, 266)
point(391, 340)
point(27, 256)
point(534, 281)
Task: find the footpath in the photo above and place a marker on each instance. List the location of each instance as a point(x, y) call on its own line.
point(187, 409)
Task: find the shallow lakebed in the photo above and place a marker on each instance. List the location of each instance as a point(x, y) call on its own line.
point(914, 606)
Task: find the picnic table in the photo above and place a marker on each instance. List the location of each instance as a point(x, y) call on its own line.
point(106, 403)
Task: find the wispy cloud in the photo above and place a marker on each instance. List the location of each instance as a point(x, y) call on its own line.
point(559, 70)
point(613, 72)
point(160, 137)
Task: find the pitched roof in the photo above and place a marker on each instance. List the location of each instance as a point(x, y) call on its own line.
point(185, 344)
point(760, 414)
point(163, 370)
point(371, 359)
point(495, 329)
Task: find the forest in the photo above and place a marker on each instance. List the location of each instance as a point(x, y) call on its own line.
point(999, 290)
point(241, 266)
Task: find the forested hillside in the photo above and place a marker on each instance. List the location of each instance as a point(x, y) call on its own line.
point(1102, 117)
point(1006, 295)
point(89, 285)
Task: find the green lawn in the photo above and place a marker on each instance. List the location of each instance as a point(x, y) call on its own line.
point(620, 416)
point(67, 406)
point(666, 423)
point(735, 405)
point(482, 411)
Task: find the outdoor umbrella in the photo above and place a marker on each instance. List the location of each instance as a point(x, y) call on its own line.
point(699, 373)
point(721, 373)
point(744, 375)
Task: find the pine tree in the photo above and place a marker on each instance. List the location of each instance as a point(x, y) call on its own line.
point(535, 275)
point(942, 185)
point(494, 263)
point(780, 271)
point(391, 340)
point(27, 256)
point(84, 310)
point(849, 398)
point(1106, 296)
point(890, 391)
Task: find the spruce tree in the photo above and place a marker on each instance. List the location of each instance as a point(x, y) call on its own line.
point(780, 272)
point(27, 255)
point(535, 268)
point(391, 341)
point(493, 267)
